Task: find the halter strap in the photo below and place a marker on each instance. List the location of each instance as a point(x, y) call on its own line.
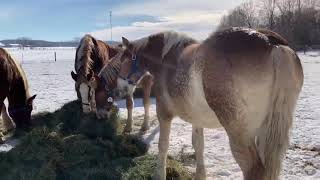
point(13, 110)
point(133, 70)
point(86, 104)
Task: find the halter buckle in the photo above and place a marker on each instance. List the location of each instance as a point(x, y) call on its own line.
point(134, 57)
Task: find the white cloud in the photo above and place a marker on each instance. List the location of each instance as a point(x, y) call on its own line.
point(196, 18)
point(165, 7)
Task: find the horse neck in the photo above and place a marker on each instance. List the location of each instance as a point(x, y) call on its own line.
point(102, 56)
point(18, 93)
point(175, 70)
point(168, 66)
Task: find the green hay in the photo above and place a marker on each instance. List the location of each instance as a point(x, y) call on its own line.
point(70, 145)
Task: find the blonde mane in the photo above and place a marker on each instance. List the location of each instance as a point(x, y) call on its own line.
point(171, 41)
point(110, 71)
point(83, 57)
point(175, 40)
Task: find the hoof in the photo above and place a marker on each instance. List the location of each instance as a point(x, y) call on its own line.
point(127, 130)
point(144, 129)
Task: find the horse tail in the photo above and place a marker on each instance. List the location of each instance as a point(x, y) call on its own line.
point(273, 139)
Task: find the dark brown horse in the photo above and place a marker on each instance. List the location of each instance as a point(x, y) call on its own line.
point(248, 81)
point(91, 56)
point(14, 87)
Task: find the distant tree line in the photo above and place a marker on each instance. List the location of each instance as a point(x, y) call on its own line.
point(23, 42)
point(296, 20)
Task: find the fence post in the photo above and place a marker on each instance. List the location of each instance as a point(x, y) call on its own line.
point(22, 57)
point(55, 56)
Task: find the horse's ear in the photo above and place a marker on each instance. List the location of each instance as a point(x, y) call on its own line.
point(30, 100)
point(74, 76)
point(125, 42)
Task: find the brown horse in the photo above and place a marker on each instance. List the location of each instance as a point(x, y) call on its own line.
point(94, 84)
point(245, 80)
point(14, 86)
point(91, 56)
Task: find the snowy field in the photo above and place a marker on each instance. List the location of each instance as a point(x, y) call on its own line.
point(52, 82)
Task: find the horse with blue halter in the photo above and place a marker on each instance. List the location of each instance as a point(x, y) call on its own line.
point(245, 80)
point(14, 87)
point(105, 85)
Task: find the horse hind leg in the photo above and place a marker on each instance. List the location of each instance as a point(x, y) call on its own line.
point(246, 155)
point(198, 145)
point(260, 154)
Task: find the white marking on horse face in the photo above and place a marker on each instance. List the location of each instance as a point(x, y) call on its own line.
point(125, 88)
point(84, 89)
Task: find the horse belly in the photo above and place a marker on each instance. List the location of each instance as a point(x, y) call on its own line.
point(196, 109)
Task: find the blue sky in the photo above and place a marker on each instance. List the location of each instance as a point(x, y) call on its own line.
point(57, 20)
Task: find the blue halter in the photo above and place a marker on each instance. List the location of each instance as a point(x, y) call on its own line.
point(134, 70)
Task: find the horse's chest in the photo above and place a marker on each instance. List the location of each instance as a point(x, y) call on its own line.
point(192, 105)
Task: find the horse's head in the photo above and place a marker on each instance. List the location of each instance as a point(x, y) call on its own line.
point(21, 114)
point(106, 83)
point(131, 70)
point(85, 86)
point(104, 97)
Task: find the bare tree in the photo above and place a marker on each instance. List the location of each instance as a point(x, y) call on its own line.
point(297, 20)
point(269, 7)
point(242, 16)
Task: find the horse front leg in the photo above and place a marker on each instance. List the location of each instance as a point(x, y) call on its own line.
point(7, 122)
point(130, 104)
point(165, 125)
point(146, 104)
point(165, 118)
point(198, 145)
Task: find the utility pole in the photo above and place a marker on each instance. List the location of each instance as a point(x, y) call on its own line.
point(111, 25)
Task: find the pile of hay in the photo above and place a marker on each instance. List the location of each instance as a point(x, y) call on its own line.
point(69, 145)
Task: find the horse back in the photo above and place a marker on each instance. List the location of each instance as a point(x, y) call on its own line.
point(238, 71)
point(8, 72)
point(98, 51)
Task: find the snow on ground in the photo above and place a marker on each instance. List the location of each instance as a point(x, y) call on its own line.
point(54, 86)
